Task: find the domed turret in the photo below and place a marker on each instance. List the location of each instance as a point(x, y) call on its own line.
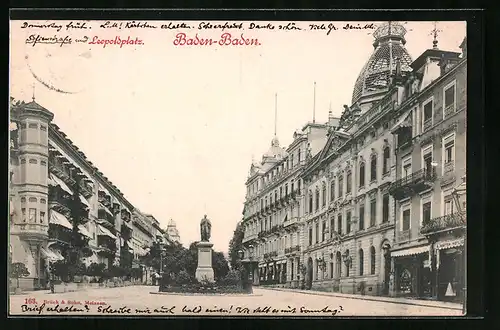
point(388, 51)
point(275, 151)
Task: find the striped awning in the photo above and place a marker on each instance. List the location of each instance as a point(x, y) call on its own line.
point(55, 181)
point(102, 231)
point(82, 230)
point(410, 251)
point(105, 209)
point(51, 254)
point(57, 218)
point(443, 245)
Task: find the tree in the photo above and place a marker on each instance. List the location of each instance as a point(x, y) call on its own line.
point(219, 264)
point(18, 270)
point(236, 244)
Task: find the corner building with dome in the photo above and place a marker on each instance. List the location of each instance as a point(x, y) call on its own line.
point(348, 216)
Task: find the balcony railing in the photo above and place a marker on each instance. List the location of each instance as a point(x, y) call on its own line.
point(31, 231)
point(413, 183)
point(58, 169)
point(450, 109)
point(449, 167)
point(60, 235)
point(427, 124)
point(446, 222)
point(404, 236)
point(292, 249)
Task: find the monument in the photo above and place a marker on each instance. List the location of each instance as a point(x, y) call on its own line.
point(204, 271)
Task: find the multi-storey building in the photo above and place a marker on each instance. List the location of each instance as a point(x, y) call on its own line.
point(375, 214)
point(172, 233)
point(428, 255)
point(349, 212)
point(273, 205)
point(56, 191)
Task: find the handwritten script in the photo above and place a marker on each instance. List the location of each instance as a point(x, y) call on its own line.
point(127, 33)
point(64, 308)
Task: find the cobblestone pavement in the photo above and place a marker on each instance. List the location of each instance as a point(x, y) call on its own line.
point(134, 300)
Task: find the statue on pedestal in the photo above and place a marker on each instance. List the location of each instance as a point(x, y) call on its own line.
point(205, 228)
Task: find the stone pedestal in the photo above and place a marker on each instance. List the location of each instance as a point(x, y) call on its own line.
point(204, 271)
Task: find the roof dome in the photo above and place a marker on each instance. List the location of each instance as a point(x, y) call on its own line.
point(275, 151)
point(389, 50)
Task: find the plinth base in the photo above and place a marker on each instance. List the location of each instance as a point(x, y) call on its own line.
point(204, 272)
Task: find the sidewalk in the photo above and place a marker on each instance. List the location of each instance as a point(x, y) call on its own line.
point(416, 302)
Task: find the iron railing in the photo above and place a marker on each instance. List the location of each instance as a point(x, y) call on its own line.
point(449, 221)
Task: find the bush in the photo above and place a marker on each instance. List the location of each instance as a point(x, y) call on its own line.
point(233, 277)
point(183, 278)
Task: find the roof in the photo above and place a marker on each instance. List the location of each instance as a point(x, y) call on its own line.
point(419, 62)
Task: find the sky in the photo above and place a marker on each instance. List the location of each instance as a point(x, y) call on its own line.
point(175, 128)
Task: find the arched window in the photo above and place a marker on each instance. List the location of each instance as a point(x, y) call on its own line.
point(372, 260)
point(331, 265)
point(385, 164)
point(332, 190)
point(373, 168)
point(323, 192)
point(338, 263)
point(362, 174)
point(310, 202)
point(347, 266)
point(361, 261)
point(348, 182)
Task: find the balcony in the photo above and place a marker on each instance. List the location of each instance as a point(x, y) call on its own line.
point(412, 184)
point(60, 171)
point(444, 223)
point(449, 168)
point(86, 189)
point(449, 110)
point(404, 236)
point(31, 231)
point(104, 214)
point(292, 250)
point(291, 223)
point(60, 235)
point(427, 124)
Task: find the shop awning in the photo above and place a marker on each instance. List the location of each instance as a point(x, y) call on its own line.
point(57, 254)
point(50, 255)
point(411, 251)
point(104, 232)
point(84, 200)
point(443, 245)
point(105, 209)
point(404, 121)
point(82, 230)
point(57, 218)
point(55, 181)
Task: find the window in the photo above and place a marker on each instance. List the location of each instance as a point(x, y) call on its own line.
point(310, 202)
point(32, 126)
point(42, 217)
point(385, 208)
point(426, 212)
point(317, 199)
point(348, 222)
point(428, 112)
point(310, 235)
point(23, 212)
point(339, 224)
point(372, 260)
point(406, 167)
point(32, 199)
point(373, 212)
point(332, 226)
point(33, 161)
point(298, 155)
point(373, 168)
point(323, 192)
point(23, 161)
point(32, 215)
point(385, 163)
point(317, 232)
point(349, 181)
point(323, 231)
point(338, 262)
point(449, 152)
point(43, 128)
point(332, 190)
point(449, 205)
point(427, 159)
point(291, 160)
point(43, 201)
point(406, 219)
point(361, 261)
point(362, 174)
point(341, 186)
point(449, 100)
point(361, 217)
point(347, 266)
point(331, 265)
point(43, 163)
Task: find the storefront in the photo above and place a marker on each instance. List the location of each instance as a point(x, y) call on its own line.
point(412, 272)
point(450, 269)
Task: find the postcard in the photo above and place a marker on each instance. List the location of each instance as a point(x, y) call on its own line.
point(237, 168)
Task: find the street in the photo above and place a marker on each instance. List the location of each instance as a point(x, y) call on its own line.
point(138, 300)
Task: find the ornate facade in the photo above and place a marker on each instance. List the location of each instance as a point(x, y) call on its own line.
point(56, 191)
point(375, 212)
